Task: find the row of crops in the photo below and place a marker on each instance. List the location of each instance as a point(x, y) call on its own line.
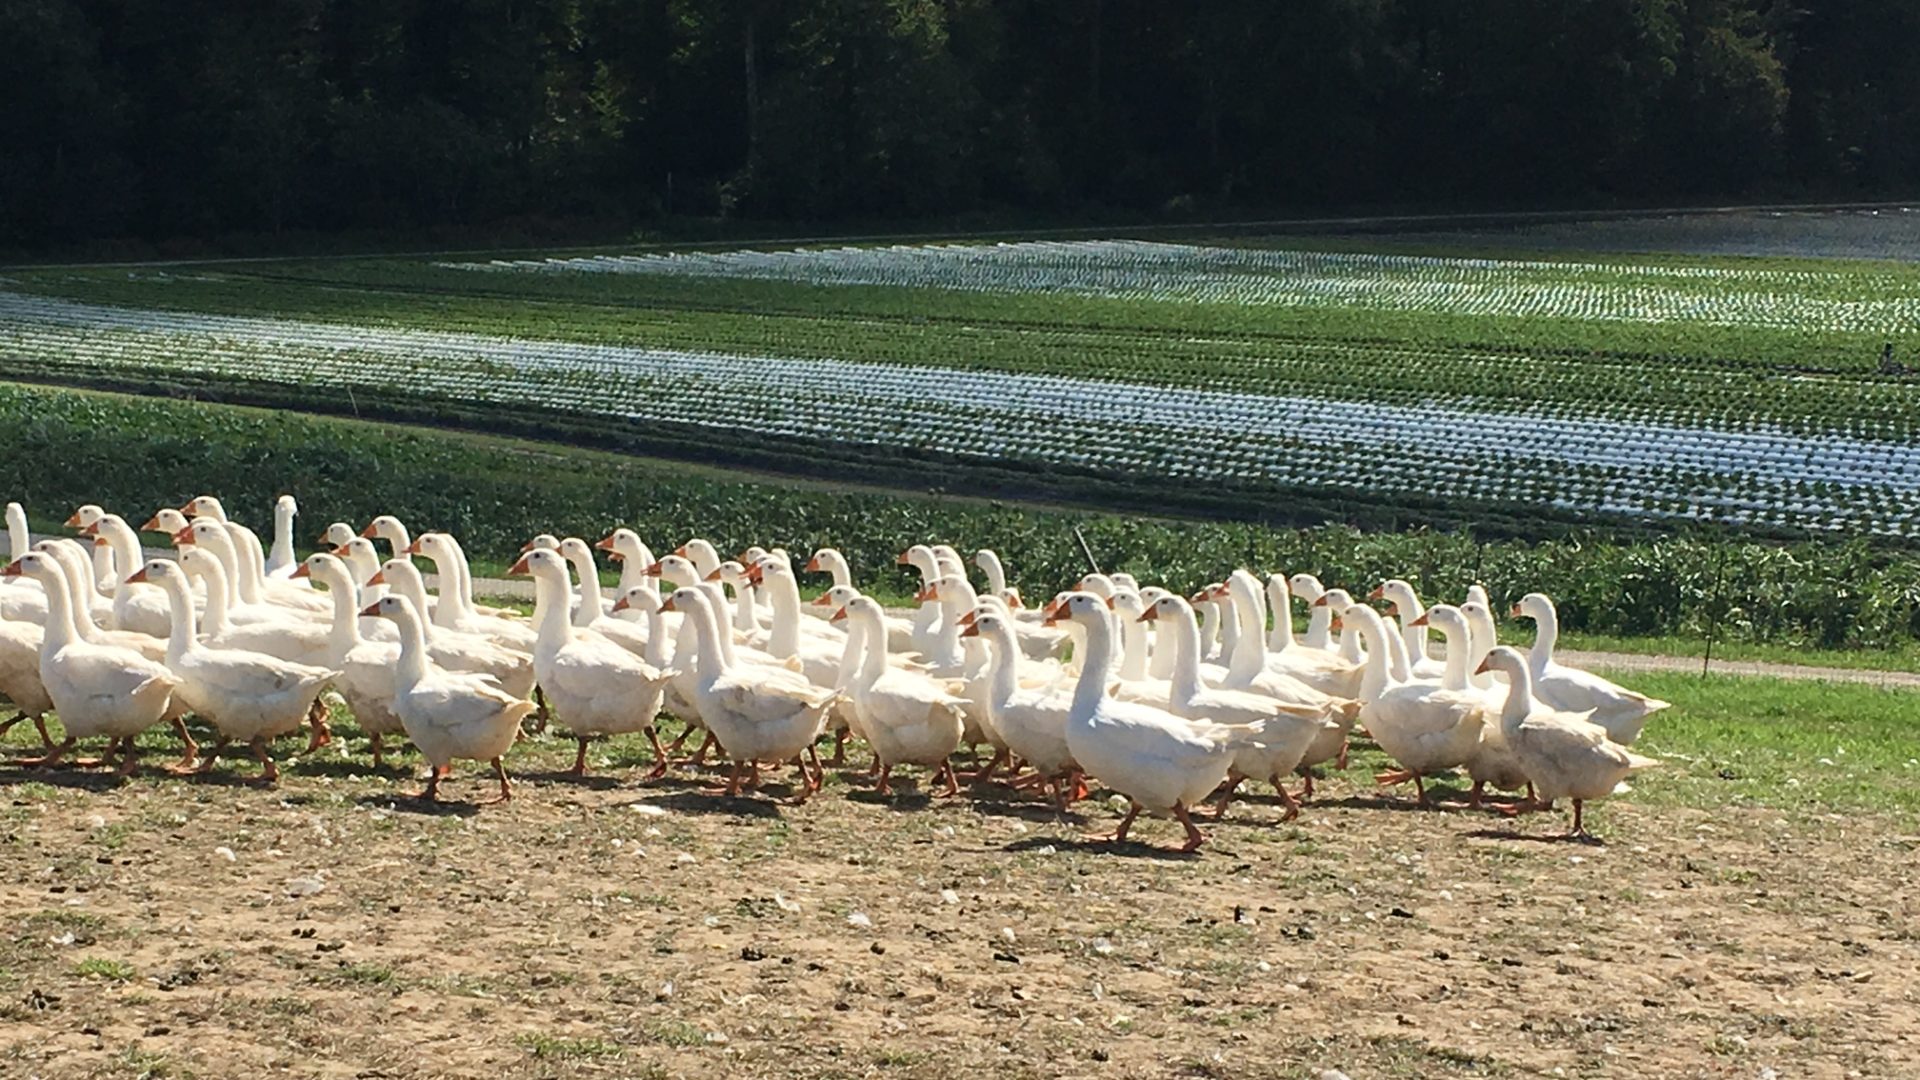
point(497, 492)
point(1244, 276)
point(1549, 457)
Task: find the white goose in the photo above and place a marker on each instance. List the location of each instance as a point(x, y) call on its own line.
point(1287, 732)
point(1319, 632)
point(1247, 667)
point(591, 610)
point(282, 560)
point(1030, 724)
point(456, 610)
point(1161, 762)
point(1492, 761)
point(453, 649)
point(625, 547)
point(366, 667)
point(1316, 667)
point(21, 598)
point(1407, 609)
point(1428, 727)
point(596, 687)
point(96, 689)
point(1562, 753)
point(757, 713)
point(1622, 712)
point(20, 682)
point(907, 718)
point(141, 610)
point(246, 696)
point(448, 714)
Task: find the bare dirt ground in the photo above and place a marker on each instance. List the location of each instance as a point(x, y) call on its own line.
point(615, 927)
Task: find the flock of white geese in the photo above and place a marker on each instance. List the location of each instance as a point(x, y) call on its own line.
point(1166, 699)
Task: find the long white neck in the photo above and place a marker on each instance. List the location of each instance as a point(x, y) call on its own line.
point(74, 578)
point(1414, 637)
point(996, 574)
point(218, 599)
point(783, 594)
point(343, 636)
point(1249, 655)
point(282, 554)
point(414, 662)
point(634, 560)
point(1519, 699)
point(1209, 616)
point(126, 547)
point(1229, 619)
point(1483, 636)
point(716, 603)
point(655, 650)
point(592, 604)
point(1280, 599)
point(1161, 649)
point(1546, 635)
point(836, 565)
point(252, 562)
point(396, 534)
point(404, 579)
point(746, 616)
point(550, 610)
point(1377, 675)
point(1457, 676)
point(873, 662)
point(460, 587)
point(1096, 671)
point(1133, 647)
point(1003, 662)
point(102, 556)
point(709, 660)
point(851, 654)
point(181, 639)
point(19, 539)
point(1182, 635)
point(60, 629)
point(220, 546)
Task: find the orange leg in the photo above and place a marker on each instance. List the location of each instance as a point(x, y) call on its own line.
point(839, 748)
point(322, 731)
point(819, 772)
point(953, 782)
point(1286, 799)
point(1306, 786)
point(1341, 761)
point(1234, 780)
point(40, 722)
point(700, 755)
point(432, 792)
point(269, 772)
point(128, 756)
point(51, 757)
point(993, 765)
point(1119, 835)
point(660, 754)
point(506, 786)
point(579, 757)
point(1579, 830)
point(1194, 837)
point(541, 713)
point(190, 750)
point(213, 754)
point(884, 786)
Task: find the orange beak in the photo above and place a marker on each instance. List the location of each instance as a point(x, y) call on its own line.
point(379, 577)
point(369, 532)
point(756, 575)
point(838, 615)
point(73, 520)
point(136, 578)
point(520, 566)
point(1152, 614)
point(620, 604)
point(970, 630)
point(681, 551)
point(413, 548)
point(1379, 593)
point(372, 609)
point(90, 530)
point(926, 594)
point(184, 536)
point(301, 571)
point(1015, 602)
point(1421, 621)
point(152, 525)
point(339, 552)
point(12, 569)
point(99, 541)
point(606, 543)
point(187, 507)
point(1485, 666)
point(667, 604)
point(1109, 603)
point(1516, 611)
point(902, 560)
point(1338, 623)
point(823, 599)
point(715, 576)
point(652, 571)
point(813, 565)
point(526, 547)
point(969, 618)
point(1321, 602)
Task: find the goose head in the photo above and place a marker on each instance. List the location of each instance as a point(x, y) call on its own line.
point(1083, 608)
point(1306, 587)
point(701, 553)
point(728, 572)
point(1398, 593)
point(337, 534)
point(85, 517)
point(384, 527)
point(1099, 585)
point(837, 597)
point(1505, 659)
point(40, 566)
point(325, 569)
point(165, 520)
point(676, 570)
point(160, 572)
point(542, 564)
point(392, 606)
point(436, 546)
point(1449, 620)
point(1534, 606)
point(543, 542)
point(639, 598)
point(204, 506)
point(1166, 606)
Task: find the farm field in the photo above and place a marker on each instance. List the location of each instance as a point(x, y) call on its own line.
point(1750, 909)
point(1246, 377)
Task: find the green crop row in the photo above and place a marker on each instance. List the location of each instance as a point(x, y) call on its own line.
point(135, 454)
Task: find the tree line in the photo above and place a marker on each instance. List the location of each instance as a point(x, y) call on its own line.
point(126, 118)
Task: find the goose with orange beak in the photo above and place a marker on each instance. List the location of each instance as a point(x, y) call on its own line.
point(1561, 753)
point(758, 713)
point(1623, 713)
point(596, 688)
point(907, 717)
point(448, 715)
point(1492, 761)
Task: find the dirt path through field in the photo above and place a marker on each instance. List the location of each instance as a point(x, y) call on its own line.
point(612, 928)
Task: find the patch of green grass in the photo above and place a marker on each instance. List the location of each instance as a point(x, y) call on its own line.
point(363, 974)
point(1813, 746)
point(145, 1065)
point(100, 967)
point(1904, 658)
point(673, 1032)
point(559, 1048)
